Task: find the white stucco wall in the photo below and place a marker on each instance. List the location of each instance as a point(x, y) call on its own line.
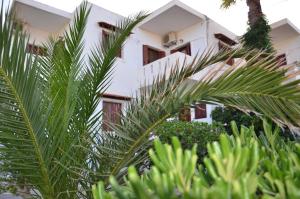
point(289, 46)
point(128, 70)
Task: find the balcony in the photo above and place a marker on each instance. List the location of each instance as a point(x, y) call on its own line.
point(161, 66)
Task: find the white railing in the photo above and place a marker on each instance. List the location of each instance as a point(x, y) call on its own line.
point(162, 66)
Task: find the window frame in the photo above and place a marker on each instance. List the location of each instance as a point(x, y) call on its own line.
point(200, 111)
point(36, 50)
point(186, 46)
point(161, 54)
point(281, 59)
point(105, 35)
point(106, 122)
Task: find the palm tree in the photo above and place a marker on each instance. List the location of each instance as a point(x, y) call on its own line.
point(50, 135)
point(257, 35)
point(255, 11)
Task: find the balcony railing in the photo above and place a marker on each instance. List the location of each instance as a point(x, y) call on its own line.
point(163, 66)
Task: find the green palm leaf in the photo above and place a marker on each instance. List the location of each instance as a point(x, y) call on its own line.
point(252, 86)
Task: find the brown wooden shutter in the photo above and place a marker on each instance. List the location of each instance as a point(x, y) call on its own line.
point(281, 59)
point(162, 54)
point(200, 111)
point(188, 49)
point(145, 54)
point(225, 48)
point(111, 114)
point(184, 49)
point(185, 114)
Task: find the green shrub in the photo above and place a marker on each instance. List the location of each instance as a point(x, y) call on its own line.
point(190, 133)
point(241, 165)
point(225, 115)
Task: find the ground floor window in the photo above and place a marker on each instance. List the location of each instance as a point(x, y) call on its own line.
point(200, 111)
point(111, 114)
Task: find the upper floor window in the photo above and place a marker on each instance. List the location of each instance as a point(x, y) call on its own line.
point(151, 54)
point(281, 59)
point(186, 49)
point(108, 29)
point(105, 37)
point(36, 50)
point(225, 43)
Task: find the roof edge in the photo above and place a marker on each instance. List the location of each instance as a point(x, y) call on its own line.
point(43, 7)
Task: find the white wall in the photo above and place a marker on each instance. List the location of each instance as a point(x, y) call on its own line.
point(127, 71)
point(291, 47)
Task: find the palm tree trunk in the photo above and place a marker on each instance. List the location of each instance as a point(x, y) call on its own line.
point(255, 11)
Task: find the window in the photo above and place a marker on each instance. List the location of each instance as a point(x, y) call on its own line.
point(281, 59)
point(36, 50)
point(151, 54)
point(111, 114)
point(186, 49)
point(224, 47)
point(225, 43)
point(200, 111)
point(105, 37)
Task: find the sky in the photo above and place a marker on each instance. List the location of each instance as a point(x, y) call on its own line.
point(234, 18)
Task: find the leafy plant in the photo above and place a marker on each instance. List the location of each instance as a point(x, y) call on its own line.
point(225, 115)
point(238, 166)
point(50, 128)
point(190, 133)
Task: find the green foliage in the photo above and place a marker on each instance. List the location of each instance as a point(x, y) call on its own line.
point(257, 36)
point(241, 165)
point(225, 115)
point(190, 133)
point(50, 127)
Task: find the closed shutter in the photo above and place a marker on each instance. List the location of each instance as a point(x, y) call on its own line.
point(186, 49)
point(200, 111)
point(111, 114)
point(145, 54)
point(225, 48)
point(281, 59)
point(105, 38)
point(162, 54)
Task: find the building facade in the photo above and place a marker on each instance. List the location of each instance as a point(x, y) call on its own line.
point(170, 34)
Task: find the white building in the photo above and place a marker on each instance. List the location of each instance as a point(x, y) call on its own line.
point(172, 32)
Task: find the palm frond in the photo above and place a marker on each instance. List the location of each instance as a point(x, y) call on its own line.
point(23, 122)
point(254, 85)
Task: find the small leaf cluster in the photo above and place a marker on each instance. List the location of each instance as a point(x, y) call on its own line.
point(242, 165)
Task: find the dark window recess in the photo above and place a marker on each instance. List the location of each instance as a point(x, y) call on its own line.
point(281, 59)
point(186, 49)
point(111, 114)
point(200, 111)
point(105, 38)
point(185, 114)
point(107, 26)
point(36, 50)
point(225, 39)
point(225, 47)
point(151, 55)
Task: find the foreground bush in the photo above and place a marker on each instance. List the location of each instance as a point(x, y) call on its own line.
point(190, 133)
point(238, 166)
